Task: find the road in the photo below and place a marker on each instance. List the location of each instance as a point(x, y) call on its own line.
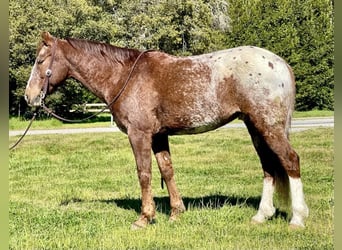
point(297, 125)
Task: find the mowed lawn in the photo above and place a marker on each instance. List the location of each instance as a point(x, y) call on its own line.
point(82, 192)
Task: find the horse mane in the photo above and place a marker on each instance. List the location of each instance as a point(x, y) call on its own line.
point(104, 50)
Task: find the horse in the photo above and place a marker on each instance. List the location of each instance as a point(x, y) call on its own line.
point(153, 95)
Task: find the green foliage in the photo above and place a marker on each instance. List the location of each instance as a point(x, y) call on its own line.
point(177, 27)
point(63, 19)
point(299, 31)
point(315, 56)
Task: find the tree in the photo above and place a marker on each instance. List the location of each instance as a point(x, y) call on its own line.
point(177, 27)
point(314, 60)
point(299, 31)
point(62, 18)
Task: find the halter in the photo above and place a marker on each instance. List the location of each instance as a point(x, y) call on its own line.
point(48, 73)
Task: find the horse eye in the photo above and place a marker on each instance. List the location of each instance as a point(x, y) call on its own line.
point(40, 61)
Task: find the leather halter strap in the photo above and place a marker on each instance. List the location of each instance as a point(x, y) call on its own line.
point(48, 72)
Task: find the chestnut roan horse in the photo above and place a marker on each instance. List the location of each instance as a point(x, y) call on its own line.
point(167, 95)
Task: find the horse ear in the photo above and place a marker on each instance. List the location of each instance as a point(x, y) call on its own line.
point(47, 38)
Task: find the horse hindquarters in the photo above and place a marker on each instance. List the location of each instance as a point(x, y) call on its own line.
point(281, 168)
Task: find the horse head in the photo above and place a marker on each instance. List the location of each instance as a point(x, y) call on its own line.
point(49, 70)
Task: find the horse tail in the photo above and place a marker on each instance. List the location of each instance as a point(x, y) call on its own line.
point(282, 183)
point(282, 187)
point(291, 101)
point(288, 122)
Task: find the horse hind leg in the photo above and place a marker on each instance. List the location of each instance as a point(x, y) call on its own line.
point(266, 208)
point(281, 171)
point(160, 146)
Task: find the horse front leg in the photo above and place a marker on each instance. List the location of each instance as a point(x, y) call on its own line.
point(141, 145)
point(160, 146)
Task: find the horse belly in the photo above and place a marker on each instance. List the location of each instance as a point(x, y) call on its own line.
point(198, 117)
point(198, 124)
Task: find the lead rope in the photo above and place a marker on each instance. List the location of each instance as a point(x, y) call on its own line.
point(27, 129)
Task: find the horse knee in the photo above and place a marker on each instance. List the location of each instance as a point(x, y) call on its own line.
point(145, 178)
point(167, 173)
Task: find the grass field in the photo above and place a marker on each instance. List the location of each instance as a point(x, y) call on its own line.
point(82, 192)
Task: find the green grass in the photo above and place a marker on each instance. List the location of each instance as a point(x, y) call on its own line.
point(81, 192)
point(104, 121)
point(313, 113)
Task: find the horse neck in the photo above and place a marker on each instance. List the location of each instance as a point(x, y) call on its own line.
point(102, 75)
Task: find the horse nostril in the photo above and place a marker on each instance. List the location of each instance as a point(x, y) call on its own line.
point(26, 98)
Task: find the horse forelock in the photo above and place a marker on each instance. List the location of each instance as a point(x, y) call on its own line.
point(104, 50)
point(39, 47)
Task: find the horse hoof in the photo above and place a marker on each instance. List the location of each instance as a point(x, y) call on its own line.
point(139, 224)
point(176, 212)
point(174, 217)
point(296, 227)
point(257, 219)
point(142, 222)
point(256, 222)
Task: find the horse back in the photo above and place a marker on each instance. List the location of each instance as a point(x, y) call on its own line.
point(199, 93)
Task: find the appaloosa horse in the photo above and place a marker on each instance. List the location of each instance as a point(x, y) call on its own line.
point(153, 95)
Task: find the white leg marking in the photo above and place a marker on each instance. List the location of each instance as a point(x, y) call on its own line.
point(299, 207)
point(266, 208)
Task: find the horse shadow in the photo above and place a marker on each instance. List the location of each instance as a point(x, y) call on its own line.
point(215, 201)
point(204, 202)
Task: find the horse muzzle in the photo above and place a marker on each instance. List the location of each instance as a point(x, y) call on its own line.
point(35, 101)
